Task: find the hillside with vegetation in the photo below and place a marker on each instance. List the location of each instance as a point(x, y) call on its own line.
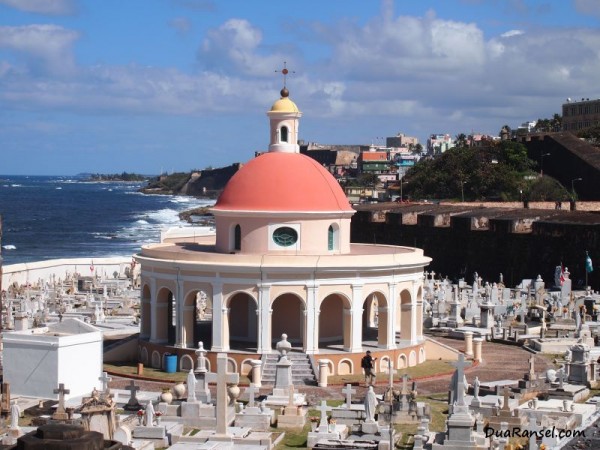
point(198, 183)
point(500, 171)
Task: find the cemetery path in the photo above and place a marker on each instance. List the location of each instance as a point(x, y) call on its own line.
point(500, 362)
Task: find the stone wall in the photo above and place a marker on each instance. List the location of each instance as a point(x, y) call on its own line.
point(517, 243)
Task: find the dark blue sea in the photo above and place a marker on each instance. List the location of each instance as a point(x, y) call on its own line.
point(60, 217)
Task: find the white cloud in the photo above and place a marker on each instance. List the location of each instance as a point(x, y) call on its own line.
point(46, 7)
point(425, 72)
point(46, 48)
point(235, 47)
point(512, 33)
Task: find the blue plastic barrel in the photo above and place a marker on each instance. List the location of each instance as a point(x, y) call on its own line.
point(170, 363)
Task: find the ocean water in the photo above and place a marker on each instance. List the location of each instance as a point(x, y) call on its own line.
point(60, 217)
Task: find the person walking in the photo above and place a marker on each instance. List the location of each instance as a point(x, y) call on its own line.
point(368, 364)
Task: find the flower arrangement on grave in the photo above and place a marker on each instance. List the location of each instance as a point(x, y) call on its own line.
point(330, 420)
point(140, 416)
point(158, 413)
point(314, 419)
point(140, 412)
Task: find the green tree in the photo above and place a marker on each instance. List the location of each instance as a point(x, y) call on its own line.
point(493, 172)
point(591, 135)
point(546, 188)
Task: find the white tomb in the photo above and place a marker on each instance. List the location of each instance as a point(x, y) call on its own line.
point(36, 361)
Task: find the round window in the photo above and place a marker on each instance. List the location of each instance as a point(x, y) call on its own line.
point(285, 236)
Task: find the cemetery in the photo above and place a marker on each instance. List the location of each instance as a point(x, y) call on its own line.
point(555, 325)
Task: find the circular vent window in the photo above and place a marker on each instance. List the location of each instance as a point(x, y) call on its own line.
point(285, 236)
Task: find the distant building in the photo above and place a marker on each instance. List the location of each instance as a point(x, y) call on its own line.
point(481, 140)
point(577, 115)
point(439, 143)
point(374, 160)
point(401, 140)
point(340, 160)
point(526, 127)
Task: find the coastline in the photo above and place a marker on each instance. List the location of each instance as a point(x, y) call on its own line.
point(33, 272)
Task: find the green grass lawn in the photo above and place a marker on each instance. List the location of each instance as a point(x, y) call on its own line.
point(129, 369)
point(428, 368)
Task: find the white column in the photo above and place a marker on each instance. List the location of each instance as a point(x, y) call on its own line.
point(311, 321)
point(390, 337)
point(188, 335)
point(217, 326)
point(179, 333)
point(413, 314)
point(468, 335)
point(255, 371)
point(264, 319)
point(153, 310)
point(392, 307)
point(346, 319)
point(356, 319)
point(323, 372)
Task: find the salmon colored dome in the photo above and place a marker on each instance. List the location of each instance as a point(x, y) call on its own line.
point(282, 182)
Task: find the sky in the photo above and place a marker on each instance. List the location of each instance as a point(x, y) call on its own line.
point(152, 86)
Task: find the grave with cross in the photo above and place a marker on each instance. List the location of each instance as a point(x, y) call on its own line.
point(257, 417)
point(506, 413)
point(326, 430)
point(294, 416)
point(534, 429)
point(61, 413)
point(224, 378)
point(105, 379)
point(133, 403)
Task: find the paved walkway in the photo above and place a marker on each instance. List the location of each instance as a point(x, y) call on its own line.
point(500, 362)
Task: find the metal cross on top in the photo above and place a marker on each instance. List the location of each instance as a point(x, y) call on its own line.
point(285, 71)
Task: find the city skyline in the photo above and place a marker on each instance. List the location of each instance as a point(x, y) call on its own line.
point(184, 84)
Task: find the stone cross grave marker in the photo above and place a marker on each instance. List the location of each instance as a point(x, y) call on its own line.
point(533, 428)
point(531, 368)
point(251, 390)
point(133, 403)
point(459, 394)
point(405, 384)
point(104, 379)
point(348, 391)
point(223, 378)
point(60, 413)
point(505, 405)
point(323, 409)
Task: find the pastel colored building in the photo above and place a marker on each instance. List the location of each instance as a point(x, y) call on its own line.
point(281, 261)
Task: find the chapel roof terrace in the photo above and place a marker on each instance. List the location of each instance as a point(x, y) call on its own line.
point(360, 256)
